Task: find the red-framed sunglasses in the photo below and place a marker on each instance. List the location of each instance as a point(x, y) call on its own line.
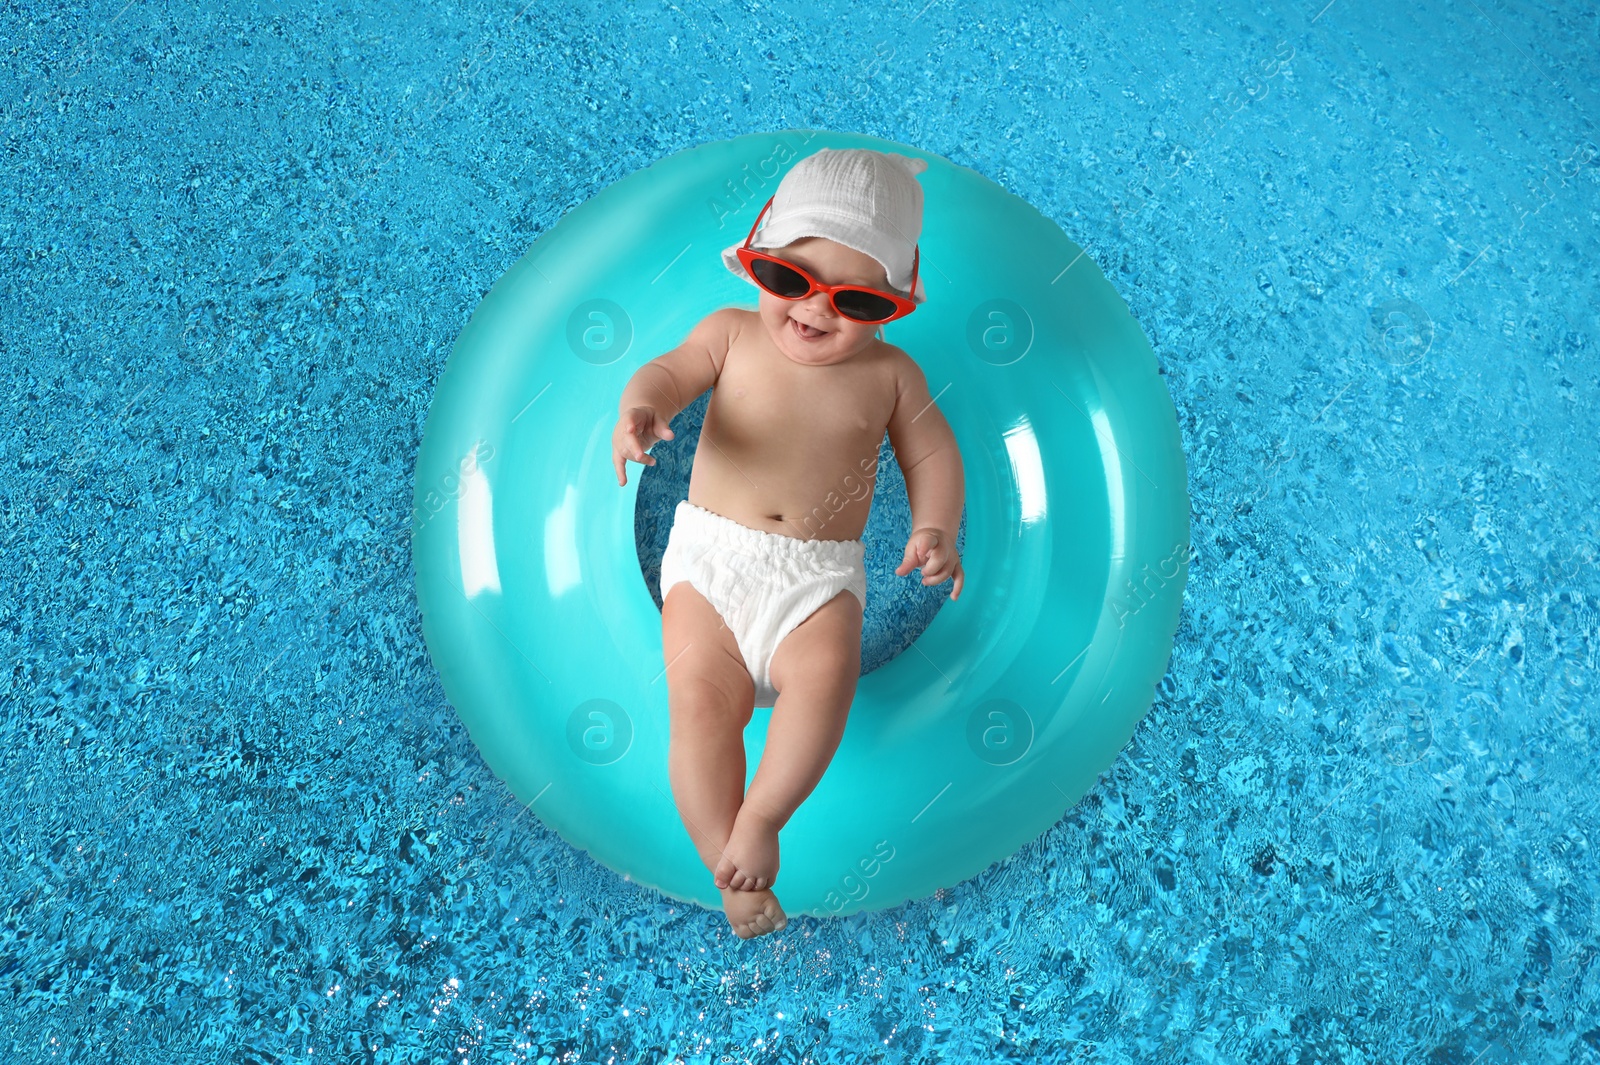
point(855, 302)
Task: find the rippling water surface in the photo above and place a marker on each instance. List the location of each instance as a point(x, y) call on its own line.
point(241, 823)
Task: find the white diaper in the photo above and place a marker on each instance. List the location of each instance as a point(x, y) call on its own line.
point(762, 584)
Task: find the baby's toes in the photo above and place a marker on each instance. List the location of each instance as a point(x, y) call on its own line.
point(725, 872)
point(773, 914)
point(753, 914)
point(745, 881)
point(752, 850)
point(758, 924)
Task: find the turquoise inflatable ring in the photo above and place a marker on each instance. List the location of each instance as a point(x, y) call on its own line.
point(1019, 694)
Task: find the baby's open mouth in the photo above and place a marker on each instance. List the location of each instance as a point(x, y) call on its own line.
point(806, 332)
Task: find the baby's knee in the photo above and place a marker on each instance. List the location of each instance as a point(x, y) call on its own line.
point(706, 700)
point(823, 667)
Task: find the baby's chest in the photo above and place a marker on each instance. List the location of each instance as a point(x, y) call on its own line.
point(833, 405)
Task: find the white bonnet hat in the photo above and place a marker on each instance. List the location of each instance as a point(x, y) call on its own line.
point(867, 200)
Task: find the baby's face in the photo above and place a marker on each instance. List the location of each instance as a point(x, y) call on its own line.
point(839, 338)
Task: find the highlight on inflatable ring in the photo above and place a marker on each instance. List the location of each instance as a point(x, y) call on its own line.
point(970, 743)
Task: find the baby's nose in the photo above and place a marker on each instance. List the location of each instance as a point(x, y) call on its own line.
point(819, 304)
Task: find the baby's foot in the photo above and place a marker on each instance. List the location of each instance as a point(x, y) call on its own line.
point(753, 913)
point(750, 858)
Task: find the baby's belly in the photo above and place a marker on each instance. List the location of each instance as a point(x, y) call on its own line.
point(827, 496)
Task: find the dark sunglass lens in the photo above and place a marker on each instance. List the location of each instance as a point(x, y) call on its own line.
point(863, 306)
point(777, 279)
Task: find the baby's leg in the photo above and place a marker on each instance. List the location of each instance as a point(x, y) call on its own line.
point(711, 697)
point(814, 670)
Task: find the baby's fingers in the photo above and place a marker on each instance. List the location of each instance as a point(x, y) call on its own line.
point(637, 450)
point(935, 568)
point(912, 559)
point(947, 567)
point(631, 449)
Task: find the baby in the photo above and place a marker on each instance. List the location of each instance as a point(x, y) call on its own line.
point(762, 582)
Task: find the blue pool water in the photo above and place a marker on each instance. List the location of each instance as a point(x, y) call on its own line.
point(240, 821)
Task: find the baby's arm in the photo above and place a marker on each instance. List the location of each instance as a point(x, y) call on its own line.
point(926, 450)
point(665, 385)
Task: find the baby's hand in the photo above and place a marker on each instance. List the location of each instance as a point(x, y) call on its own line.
point(934, 552)
point(637, 431)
